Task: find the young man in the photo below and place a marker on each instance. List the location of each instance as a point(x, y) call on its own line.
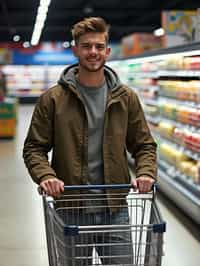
point(89, 119)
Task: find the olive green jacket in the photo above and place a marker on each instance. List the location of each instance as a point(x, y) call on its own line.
point(59, 123)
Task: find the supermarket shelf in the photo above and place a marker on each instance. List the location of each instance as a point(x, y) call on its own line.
point(179, 124)
point(186, 181)
point(140, 87)
point(164, 99)
point(180, 193)
point(153, 102)
point(175, 101)
point(179, 73)
point(152, 119)
point(158, 118)
point(189, 153)
point(153, 74)
point(178, 187)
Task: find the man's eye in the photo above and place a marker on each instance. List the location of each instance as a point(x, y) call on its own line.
point(85, 45)
point(100, 47)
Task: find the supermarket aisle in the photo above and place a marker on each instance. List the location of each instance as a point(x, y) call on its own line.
point(182, 240)
point(21, 221)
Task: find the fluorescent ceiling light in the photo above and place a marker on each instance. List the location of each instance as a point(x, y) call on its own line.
point(40, 21)
point(45, 2)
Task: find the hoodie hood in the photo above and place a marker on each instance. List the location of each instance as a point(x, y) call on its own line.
point(68, 77)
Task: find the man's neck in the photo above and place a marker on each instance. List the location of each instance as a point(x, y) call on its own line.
point(91, 79)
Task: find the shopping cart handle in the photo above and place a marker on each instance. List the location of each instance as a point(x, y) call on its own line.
point(110, 186)
point(107, 186)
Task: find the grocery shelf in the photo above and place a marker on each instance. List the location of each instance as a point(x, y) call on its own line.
point(179, 124)
point(164, 99)
point(145, 87)
point(152, 119)
point(176, 101)
point(153, 75)
point(178, 73)
point(191, 154)
point(180, 192)
point(188, 152)
point(153, 102)
point(157, 119)
point(177, 186)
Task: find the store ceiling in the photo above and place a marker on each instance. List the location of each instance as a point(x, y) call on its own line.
point(124, 16)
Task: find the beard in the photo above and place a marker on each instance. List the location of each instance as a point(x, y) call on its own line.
point(90, 67)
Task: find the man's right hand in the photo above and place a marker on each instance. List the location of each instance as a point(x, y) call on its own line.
point(53, 187)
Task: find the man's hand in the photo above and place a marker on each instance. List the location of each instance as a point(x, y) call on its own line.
point(143, 183)
point(53, 187)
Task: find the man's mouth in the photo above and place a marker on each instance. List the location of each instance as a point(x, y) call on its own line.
point(92, 59)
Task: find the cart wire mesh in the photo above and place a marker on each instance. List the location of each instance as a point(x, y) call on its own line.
point(84, 229)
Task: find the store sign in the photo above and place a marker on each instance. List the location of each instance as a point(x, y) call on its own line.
point(40, 57)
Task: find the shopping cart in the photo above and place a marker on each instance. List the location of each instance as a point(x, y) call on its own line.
point(108, 228)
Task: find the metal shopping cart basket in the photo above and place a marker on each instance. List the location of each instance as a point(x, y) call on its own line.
point(103, 225)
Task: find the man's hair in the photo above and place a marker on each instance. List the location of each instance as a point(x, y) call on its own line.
point(88, 25)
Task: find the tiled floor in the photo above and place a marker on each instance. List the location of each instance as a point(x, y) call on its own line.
point(22, 232)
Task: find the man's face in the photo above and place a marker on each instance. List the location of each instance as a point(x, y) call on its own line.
point(92, 51)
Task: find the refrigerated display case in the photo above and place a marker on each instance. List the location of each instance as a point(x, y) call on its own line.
point(168, 84)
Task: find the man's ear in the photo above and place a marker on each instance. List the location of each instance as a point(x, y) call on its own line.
point(108, 51)
point(75, 50)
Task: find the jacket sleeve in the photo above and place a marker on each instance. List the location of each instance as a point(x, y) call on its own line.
point(39, 141)
point(139, 141)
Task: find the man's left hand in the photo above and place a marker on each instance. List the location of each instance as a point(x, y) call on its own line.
point(143, 183)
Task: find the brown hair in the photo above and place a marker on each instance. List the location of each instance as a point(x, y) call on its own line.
point(91, 24)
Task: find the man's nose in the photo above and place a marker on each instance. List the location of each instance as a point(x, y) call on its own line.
point(93, 49)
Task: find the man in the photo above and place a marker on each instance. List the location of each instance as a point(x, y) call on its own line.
point(89, 120)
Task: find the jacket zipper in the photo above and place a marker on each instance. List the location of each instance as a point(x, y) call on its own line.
point(83, 144)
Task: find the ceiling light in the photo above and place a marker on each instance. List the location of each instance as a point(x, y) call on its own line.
point(16, 38)
point(45, 2)
point(40, 20)
point(66, 44)
point(26, 44)
point(88, 10)
point(159, 32)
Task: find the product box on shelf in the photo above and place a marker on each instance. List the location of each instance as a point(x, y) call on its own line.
point(8, 117)
point(138, 43)
point(7, 128)
point(179, 26)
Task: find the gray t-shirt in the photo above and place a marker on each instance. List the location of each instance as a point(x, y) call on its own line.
point(95, 99)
